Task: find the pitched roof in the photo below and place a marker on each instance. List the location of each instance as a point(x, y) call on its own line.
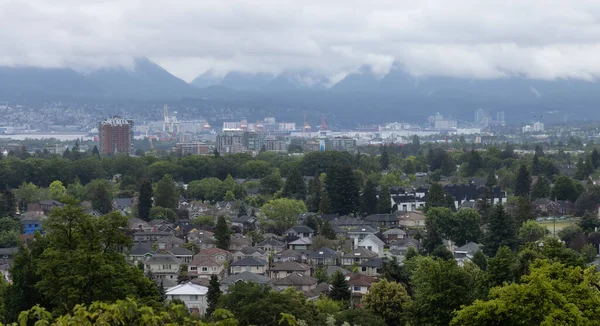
point(9, 251)
point(245, 277)
point(301, 241)
point(188, 288)
point(361, 280)
point(289, 266)
point(332, 269)
point(470, 248)
point(272, 242)
point(360, 253)
point(412, 216)
point(251, 250)
point(373, 238)
point(249, 261)
point(394, 232)
point(140, 250)
point(374, 263)
point(205, 261)
point(123, 202)
point(300, 229)
point(213, 252)
point(178, 251)
point(363, 229)
point(323, 252)
point(382, 218)
point(159, 259)
point(288, 253)
point(295, 279)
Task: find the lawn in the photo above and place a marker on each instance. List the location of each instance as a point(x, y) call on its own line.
point(559, 225)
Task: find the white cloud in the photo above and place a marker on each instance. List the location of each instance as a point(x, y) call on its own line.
point(470, 38)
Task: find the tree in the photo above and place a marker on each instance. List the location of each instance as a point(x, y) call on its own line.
point(161, 213)
point(358, 317)
point(384, 160)
point(294, 185)
point(321, 275)
point(100, 193)
point(27, 193)
point(523, 182)
point(536, 169)
point(388, 300)
point(384, 203)
point(502, 267)
point(474, 163)
point(491, 180)
point(433, 235)
point(282, 213)
point(10, 229)
point(368, 199)
point(441, 287)
point(541, 188)
point(22, 293)
point(565, 189)
point(589, 253)
point(589, 222)
point(439, 159)
point(213, 294)
point(524, 211)
point(480, 260)
point(145, 200)
point(436, 197)
point(229, 196)
point(502, 231)
point(76, 189)
point(569, 233)
point(340, 289)
point(222, 234)
point(166, 193)
point(342, 189)
point(561, 296)
point(314, 194)
point(531, 231)
point(96, 152)
point(327, 230)
point(324, 205)
point(271, 184)
point(464, 227)
point(595, 158)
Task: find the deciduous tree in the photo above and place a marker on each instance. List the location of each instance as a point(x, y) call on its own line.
point(390, 301)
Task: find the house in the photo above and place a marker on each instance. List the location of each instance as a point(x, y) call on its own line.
point(244, 223)
point(300, 231)
point(249, 264)
point(357, 233)
point(271, 245)
point(48, 205)
point(215, 254)
point(333, 269)
point(30, 226)
point(162, 266)
point(250, 252)
point(284, 269)
point(466, 252)
point(193, 295)
point(382, 220)
point(360, 284)
point(372, 267)
point(412, 220)
point(372, 243)
point(238, 242)
point(545, 206)
point(289, 255)
point(122, 204)
point(345, 221)
point(300, 244)
point(169, 242)
point(296, 280)
point(393, 235)
point(205, 242)
point(139, 253)
point(402, 245)
point(244, 277)
point(204, 267)
point(184, 255)
point(7, 254)
point(322, 257)
point(144, 236)
point(139, 225)
point(357, 256)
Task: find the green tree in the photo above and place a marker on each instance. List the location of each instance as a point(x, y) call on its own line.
point(541, 188)
point(524, 211)
point(342, 189)
point(57, 190)
point(166, 193)
point(76, 189)
point(324, 204)
point(27, 193)
point(321, 275)
point(491, 180)
point(433, 235)
point(340, 289)
point(100, 193)
point(271, 184)
point(474, 163)
point(368, 199)
point(480, 260)
point(589, 253)
point(384, 203)
point(314, 194)
point(595, 158)
point(384, 160)
point(95, 152)
point(282, 213)
point(531, 231)
point(145, 200)
point(464, 227)
point(229, 196)
point(523, 182)
point(570, 233)
point(222, 233)
point(294, 185)
point(161, 213)
point(502, 231)
point(213, 294)
point(589, 222)
point(390, 301)
point(436, 197)
point(536, 169)
point(9, 232)
point(561, 296)
point(565, 189)
point(22, 293)
point(327, 230)
point(502, 267)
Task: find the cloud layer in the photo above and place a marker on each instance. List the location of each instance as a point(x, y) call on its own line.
point(467, 38)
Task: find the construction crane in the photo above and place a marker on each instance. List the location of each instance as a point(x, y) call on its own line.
point(306, 130)
point(170, 123)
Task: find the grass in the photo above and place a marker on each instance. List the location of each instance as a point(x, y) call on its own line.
point(559, 225)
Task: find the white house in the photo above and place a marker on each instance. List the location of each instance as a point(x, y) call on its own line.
point(162, 266)
point(360, 232)
point(372, 243)
point(193, 295)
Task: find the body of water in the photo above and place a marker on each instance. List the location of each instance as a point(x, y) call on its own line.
point(59, 136)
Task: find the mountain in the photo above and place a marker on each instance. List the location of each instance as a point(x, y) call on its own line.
point(263, 82)
point(207, 79)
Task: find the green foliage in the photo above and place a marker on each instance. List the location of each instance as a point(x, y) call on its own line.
point(437, 197)
point(502, 231)
point(368, 199)
point(294, 185)
point(531, 231)
point(589, 253)
point(523, 182)
point(524, 211)
point(390, 301)
point(8, 203)
point(502, 267)
point(384, 203)
point(342, 189)
point(282, 213)
point(145, 200)
point(327, 230)
point(439, 159)
point(565, 188)
point(340, 290)
point(162, 213)
point(589, 222)
point(551, 295)
point(57, 190)
point(358, 317)
point(480, 260)
point(9, 232)
point(570, 233)
point(213, 294)
point(100, 193)
point(271, 184)
point(222, 233)
point(321, 275)
point(541, 188)
point(328, 306)
point(166, 193)
point(314, 194)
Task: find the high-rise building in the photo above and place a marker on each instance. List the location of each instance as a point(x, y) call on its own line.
point(538, 126)
point(116, 135)
point(500, 117)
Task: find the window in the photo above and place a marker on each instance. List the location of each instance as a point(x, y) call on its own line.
point(357, 288)
point(194, 297)
point(364, 269)
point(370, 248)
point(214, 268)
point(193, 268)
point(205, 269)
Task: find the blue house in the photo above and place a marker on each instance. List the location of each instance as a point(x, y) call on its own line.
point(30, 226)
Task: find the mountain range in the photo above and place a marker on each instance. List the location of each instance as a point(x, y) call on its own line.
point(361, 94)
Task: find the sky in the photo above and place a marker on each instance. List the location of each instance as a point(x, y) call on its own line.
point(463, 38)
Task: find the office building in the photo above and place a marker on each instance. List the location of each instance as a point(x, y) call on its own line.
point(192, 148)
point(538, 127)
point(343, 144)
point(115, 136)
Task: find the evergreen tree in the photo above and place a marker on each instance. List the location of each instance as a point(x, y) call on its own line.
point(222, 234)
point(342, 188)
point(384, 203)
point(437, 197)
point(589, 222)
point(595, 158)
point(294, 185)
point(216, 153)
point(524, 211)
point(327, 230)
point(145, 200)
point(340, 290)
point(523, 182)
point(324, 205)
point(8, 203)
point(580, 174)
point(473, 164)
point(536, 169)
point(491, 180)
point(166, 193)
point(67, 154)
point(480, 260)
point(311, 222)
point(213, 294)
point(100, 193)
point(502, 267)
point(368, 199)
point(502, 231)
point(541, 188)
point(314, 194)
point(321, 275)
point(96, 152)
point(243, 210)
point(484, 205)
point(384, 161)
point(433, 236)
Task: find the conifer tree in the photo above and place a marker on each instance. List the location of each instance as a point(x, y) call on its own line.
point(213, 294)
point(294, 185)
point(523, 182)
point(340, 290)
point(368, 199)
point(342, 189)
point(384, 203)
point(222, 234)
point(502, 231)
point(145, 200)
point(384, 161)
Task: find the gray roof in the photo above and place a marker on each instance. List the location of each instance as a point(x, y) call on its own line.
point(8, 251)
point(470, 248)
point(382, 218)
point(295, 280)
point(360, 253)
point(251, 250)
point(322, 253)
point(123, 202)
point(363, 229)
point(373, 238)
point(178, 251)
point(245, 277)
point(249, 261)
point(347, 221)
point(332, 269)
point(288, 253)
point(140, 250)
point(272, 242)
point(394, 231)
point(374, 263)
point(289, 266)
point(158, 259)
point(301, 229)
point(158, 233)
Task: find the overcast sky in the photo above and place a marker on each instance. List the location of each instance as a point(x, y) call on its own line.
point(478, 38)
